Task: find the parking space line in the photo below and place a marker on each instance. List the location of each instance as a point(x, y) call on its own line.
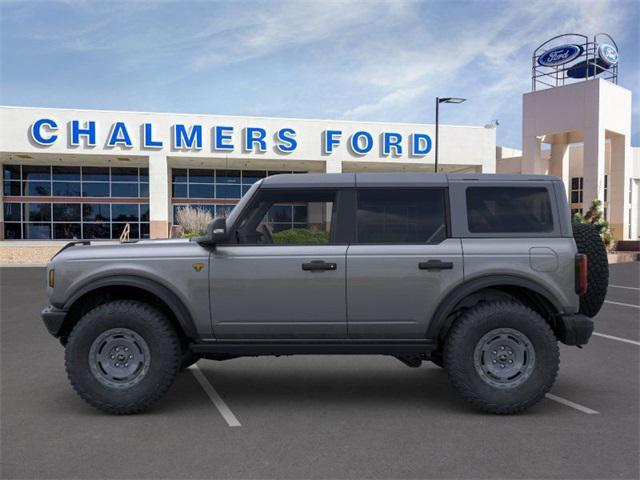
point(626, 288)
point(622, 304)
point(619, 339)
point(217, 400)
point(571, 404)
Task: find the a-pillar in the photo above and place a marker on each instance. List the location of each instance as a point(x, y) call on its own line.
point(593, 165)
point(158, 196)
point(618, 188)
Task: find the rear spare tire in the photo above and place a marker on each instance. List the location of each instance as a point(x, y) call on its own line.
point(590, 243)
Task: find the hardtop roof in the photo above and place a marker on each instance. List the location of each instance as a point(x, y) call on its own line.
point(391, 179)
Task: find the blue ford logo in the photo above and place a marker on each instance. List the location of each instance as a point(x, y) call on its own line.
point(608, 54)
point(560, 55)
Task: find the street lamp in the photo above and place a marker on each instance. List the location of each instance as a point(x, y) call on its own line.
point(438, 102)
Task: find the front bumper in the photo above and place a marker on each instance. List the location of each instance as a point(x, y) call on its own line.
point(574, 329)
point(53, 319)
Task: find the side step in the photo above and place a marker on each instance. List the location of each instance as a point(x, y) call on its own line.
point(314, 347)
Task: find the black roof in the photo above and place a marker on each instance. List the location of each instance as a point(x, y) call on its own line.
point(391, 179)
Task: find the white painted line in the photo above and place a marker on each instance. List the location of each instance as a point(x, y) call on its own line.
point(622, 286)
point(222, 407)
point(571, 404)
point(622, 304)
point(619, 339)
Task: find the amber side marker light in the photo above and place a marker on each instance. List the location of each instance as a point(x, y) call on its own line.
point(52, 277)
point(582, 282)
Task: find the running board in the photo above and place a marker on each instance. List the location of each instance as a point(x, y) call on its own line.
point(313, 347)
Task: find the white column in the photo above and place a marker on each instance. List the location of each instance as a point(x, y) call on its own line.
point(559, 161)
point(531, 155)
point(159, 195)
point(593, 166)
point(619, 186)
point(333, 165)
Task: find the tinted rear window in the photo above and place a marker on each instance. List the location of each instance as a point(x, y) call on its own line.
point(401, 216)
point(509, 210)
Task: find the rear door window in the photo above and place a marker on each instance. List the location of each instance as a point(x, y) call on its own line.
point(401, 216)
point(509, 210)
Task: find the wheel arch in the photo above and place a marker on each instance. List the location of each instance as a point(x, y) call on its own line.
point(527, 291)
point(133, 288)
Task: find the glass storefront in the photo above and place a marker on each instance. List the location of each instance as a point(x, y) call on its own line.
point(75, 203)
point(214, 190)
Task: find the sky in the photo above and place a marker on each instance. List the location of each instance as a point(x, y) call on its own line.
point(353, 60)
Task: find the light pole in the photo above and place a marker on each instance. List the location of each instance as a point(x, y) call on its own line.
point(438, 102)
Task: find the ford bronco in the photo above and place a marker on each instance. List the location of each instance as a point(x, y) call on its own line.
point(480, 274)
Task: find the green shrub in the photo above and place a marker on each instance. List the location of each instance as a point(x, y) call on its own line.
point(301, 235)
point(595, 217)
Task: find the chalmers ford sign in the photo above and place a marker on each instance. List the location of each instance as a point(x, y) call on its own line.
point(46, 132)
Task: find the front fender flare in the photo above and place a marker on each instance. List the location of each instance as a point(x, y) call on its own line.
point(175, 304)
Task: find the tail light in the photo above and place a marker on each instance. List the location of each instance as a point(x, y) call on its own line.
point(582, 282)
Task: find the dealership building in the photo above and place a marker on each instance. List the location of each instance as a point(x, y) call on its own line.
point(91, 174)
point(87, 174)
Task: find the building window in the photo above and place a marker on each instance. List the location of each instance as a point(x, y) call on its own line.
point(577, 184)
point(197, 186)
point(98, 202)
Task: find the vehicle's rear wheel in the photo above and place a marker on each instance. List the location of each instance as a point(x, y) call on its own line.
point(122, 356)
point(502, 357)
point(590, 243)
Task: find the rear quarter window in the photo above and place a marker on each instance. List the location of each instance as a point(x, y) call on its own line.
point(509, 210)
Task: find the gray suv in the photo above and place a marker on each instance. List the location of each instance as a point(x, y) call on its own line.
point(480, 274)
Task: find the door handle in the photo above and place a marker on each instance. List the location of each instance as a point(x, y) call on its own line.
point(319, 266)
point(435, 265)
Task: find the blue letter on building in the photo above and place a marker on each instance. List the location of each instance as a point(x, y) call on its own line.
point(286, 142)
point(36, 133)
point(330, 140)
point(182, 139)
point(255, 135)
point(222, 137)
point(421, 144)
point(147, 138)
point(355, 142)
point(392, 140)
point(89, 131)
point(119, 136)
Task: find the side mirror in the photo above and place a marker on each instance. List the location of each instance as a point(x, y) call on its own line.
point(217, 232)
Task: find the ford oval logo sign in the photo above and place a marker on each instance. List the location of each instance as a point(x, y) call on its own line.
point(608, 54)
point(560, 55)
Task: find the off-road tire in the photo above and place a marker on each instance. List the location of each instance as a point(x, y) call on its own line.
point(469, 330)
point(590, 243)
point(163, 348)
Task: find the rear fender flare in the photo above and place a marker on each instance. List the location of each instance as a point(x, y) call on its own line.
point(441, 321)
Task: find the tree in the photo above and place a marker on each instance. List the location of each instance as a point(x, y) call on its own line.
point(595, 217)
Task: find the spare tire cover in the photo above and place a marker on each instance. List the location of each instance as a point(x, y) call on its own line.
point(590, 243)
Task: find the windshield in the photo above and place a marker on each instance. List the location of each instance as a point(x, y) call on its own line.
point(233, 215)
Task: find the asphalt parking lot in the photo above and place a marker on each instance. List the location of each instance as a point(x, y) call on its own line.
point(320, 417)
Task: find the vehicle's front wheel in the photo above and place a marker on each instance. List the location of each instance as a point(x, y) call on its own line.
point(122, 356)
point(502, 357)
